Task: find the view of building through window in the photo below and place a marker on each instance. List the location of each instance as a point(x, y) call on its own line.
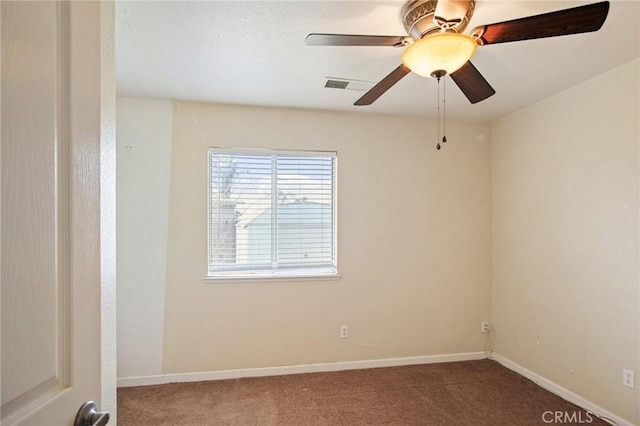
point(271, 212)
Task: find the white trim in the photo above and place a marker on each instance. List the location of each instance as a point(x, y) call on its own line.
point(271, 277)
point(275, 151)
point(294, 369)
point(560, 391)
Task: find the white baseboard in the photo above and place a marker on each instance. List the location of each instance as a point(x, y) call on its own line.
point(294, 369)
point(561, 392)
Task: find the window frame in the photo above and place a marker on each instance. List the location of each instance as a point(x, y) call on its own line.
point(240, 273)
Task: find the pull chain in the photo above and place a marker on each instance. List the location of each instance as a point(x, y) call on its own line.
point(444, 111)
point(444, 108)
point(438, 145)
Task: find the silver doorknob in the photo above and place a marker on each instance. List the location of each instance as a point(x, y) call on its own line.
point(88, 415)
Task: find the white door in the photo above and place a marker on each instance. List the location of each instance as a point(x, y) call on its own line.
point(53, 225)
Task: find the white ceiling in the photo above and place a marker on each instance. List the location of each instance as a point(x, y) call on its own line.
point(253, 53)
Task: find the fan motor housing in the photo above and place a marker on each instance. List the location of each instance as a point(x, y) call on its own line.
point(417, 18)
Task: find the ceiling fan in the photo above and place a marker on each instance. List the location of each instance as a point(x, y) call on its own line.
point(435, 45)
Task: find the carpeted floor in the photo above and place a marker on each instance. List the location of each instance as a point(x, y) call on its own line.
point(458, 393)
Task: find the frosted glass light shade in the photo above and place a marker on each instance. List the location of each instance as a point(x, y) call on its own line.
point(439, 52)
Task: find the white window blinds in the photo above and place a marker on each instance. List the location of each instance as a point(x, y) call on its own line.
point(271, 212)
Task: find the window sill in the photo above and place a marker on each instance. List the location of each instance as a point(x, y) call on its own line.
point(271, 277)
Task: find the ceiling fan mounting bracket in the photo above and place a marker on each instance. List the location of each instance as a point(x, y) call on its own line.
point(477, 34)
point(418, 18)
point(404, 41)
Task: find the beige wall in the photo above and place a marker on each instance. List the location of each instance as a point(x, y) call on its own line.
point(565, 238)
point(413, 244)
point(143, 141)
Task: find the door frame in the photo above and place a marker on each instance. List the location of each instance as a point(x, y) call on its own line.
point(109, 376)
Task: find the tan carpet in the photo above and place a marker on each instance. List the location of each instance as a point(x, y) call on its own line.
point(457, 393)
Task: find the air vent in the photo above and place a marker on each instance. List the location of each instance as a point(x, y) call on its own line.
point(336, 84)
point(343, 83)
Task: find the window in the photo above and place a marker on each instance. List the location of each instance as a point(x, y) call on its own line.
point(271, 213)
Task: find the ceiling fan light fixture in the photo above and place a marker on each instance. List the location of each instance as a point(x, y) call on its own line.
point(447, 51)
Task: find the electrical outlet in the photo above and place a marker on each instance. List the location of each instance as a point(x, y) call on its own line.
point(628, 378)
point(344, 331)
point(484, 327)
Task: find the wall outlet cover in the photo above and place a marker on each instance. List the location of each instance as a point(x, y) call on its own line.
point(629, 378)
point(344, 331)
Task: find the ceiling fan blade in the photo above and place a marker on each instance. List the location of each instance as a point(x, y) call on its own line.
point(582, 19)
point(472, 83)
point(356, 40)
point(384, 85)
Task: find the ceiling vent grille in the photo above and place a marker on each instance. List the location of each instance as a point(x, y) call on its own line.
point(336, 84)
point(348, 84)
